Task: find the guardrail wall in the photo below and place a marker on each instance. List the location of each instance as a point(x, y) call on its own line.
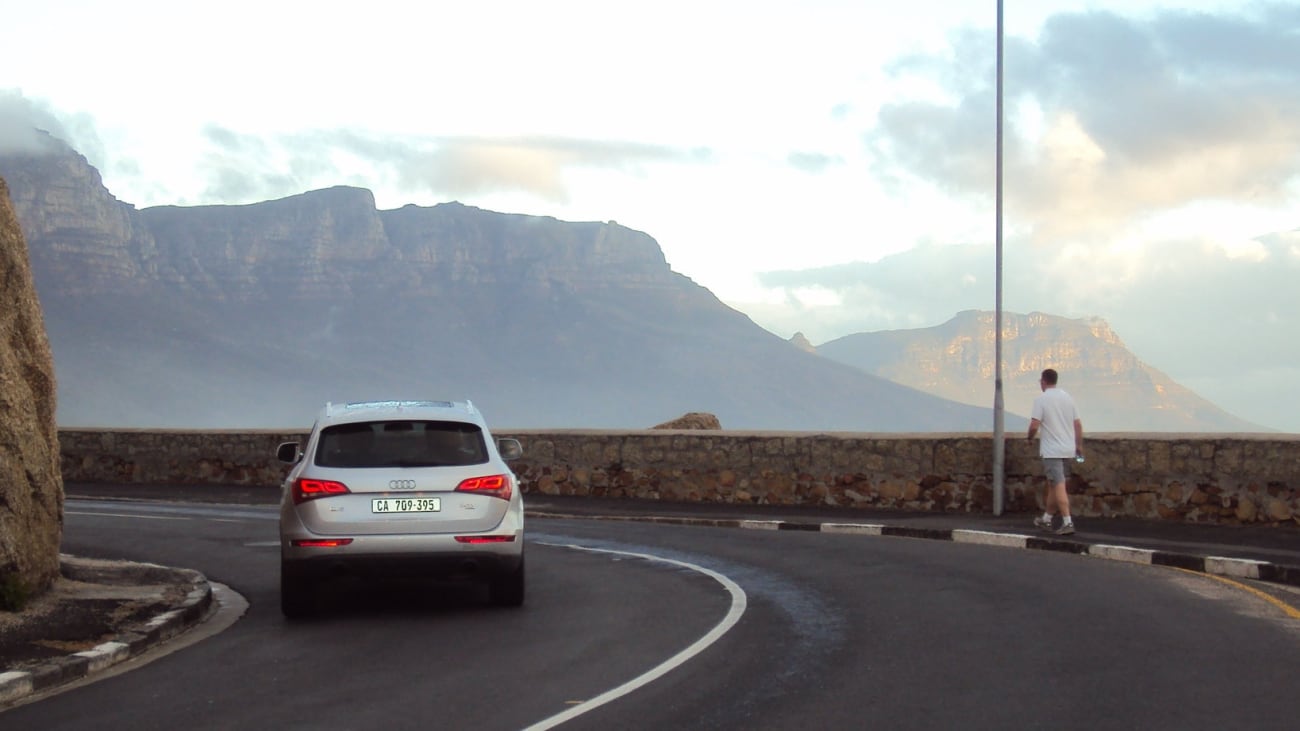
point(1228, 479)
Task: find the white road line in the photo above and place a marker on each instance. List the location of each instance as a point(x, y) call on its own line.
point(738, 603)
point(125, 515)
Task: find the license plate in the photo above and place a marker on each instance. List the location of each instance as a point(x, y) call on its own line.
point(406, 505)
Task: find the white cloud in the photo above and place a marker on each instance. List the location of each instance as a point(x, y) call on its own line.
point(1151, 146)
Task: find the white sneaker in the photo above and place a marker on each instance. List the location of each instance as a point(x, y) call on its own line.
point(1065, 530)
point(1043, 523)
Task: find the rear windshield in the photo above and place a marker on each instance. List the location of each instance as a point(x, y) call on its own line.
point(401, 444)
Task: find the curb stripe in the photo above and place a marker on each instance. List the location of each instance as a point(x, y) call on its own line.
point(1121, 553)
point(1211, 565)
point(1179, 560)
point(988, 538)
point(131, 643)
point(1242, 568)
point(861, 529)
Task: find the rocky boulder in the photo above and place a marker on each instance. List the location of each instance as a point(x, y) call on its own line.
point(31, 485)
point(692, 420)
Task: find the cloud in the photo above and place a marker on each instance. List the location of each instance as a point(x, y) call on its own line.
point(21, 122)
point(812, 162)
point(1214, 319)
point(1107, 118)
point(247, 167)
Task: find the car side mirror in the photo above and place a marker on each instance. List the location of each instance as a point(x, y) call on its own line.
point(288, 452)
point(509, 448)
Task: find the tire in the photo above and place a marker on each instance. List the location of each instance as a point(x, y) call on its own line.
point(508, 590)
point(296, 594)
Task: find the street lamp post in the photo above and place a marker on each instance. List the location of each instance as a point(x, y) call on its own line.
point(999, 442)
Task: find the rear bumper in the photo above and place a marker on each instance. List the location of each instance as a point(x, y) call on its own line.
point(468, 565)
point(434, 555)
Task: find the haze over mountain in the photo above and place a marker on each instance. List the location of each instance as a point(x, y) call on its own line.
point(255, 315)
point(1115, 390)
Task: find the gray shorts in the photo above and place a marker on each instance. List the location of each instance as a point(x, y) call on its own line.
point(1057, 469)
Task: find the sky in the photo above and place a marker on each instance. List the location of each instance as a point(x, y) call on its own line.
point(826, 167)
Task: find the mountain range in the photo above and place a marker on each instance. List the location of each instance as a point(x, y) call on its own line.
point(253, 316)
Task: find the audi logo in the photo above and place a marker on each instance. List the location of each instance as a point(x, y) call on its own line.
point(401, 484)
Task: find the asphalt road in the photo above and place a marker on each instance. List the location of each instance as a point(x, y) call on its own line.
point(650, 626)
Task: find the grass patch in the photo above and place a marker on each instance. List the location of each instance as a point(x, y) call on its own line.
point(13, 593)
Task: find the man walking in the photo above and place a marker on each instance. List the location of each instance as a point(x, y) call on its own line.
point(1062, 439)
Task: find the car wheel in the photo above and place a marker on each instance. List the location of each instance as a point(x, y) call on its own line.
point(295, 592)
point(508, 590)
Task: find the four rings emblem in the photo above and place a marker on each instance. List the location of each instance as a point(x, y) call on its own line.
point(401, 484)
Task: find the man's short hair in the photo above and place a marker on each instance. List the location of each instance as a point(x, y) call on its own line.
point(1049, 377)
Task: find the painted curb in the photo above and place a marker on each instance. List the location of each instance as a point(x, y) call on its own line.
point(131, 642)
point(1237, 568)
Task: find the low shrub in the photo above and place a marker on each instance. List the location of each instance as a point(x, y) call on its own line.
point(13, 593)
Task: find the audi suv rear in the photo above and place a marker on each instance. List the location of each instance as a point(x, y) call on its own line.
point(400, 488)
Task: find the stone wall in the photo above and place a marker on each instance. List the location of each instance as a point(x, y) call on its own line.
point(1228, 479)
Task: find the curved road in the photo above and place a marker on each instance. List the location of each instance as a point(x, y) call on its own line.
point(648, 626)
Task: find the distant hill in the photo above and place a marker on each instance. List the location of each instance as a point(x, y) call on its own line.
point(1115, 390)
point(255, 315)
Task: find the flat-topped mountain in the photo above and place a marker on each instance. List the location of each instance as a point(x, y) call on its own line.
point(1115, 390)
point(255, 315)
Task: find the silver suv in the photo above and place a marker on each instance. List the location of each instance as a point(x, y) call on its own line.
point(414, 488)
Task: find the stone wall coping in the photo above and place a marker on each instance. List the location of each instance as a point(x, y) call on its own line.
point(744, 433)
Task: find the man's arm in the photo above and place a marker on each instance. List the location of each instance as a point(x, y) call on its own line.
point(1033, 429)
point(1078, 437)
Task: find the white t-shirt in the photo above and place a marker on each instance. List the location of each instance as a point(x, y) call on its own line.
point(1055, 410)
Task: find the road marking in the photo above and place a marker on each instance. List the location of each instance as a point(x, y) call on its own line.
point(126, 515)
point(1287, 609)
point(738, 603)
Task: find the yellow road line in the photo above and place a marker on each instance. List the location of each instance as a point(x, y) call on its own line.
point(1287, 609)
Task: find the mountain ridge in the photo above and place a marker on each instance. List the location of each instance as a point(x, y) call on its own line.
point(1115, 390)
point(252, 316)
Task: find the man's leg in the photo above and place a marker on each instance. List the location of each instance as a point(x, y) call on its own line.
point(1049, 497)
point(1063, 504)
point(1061, 498)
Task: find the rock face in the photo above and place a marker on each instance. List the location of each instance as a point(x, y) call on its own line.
point(31, 486)
point(800, 341)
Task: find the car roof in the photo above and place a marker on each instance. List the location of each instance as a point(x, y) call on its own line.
point(414, 410)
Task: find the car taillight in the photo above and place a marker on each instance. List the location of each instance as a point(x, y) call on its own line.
point(494, 485)
point(305, 489)
point(321, 542)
